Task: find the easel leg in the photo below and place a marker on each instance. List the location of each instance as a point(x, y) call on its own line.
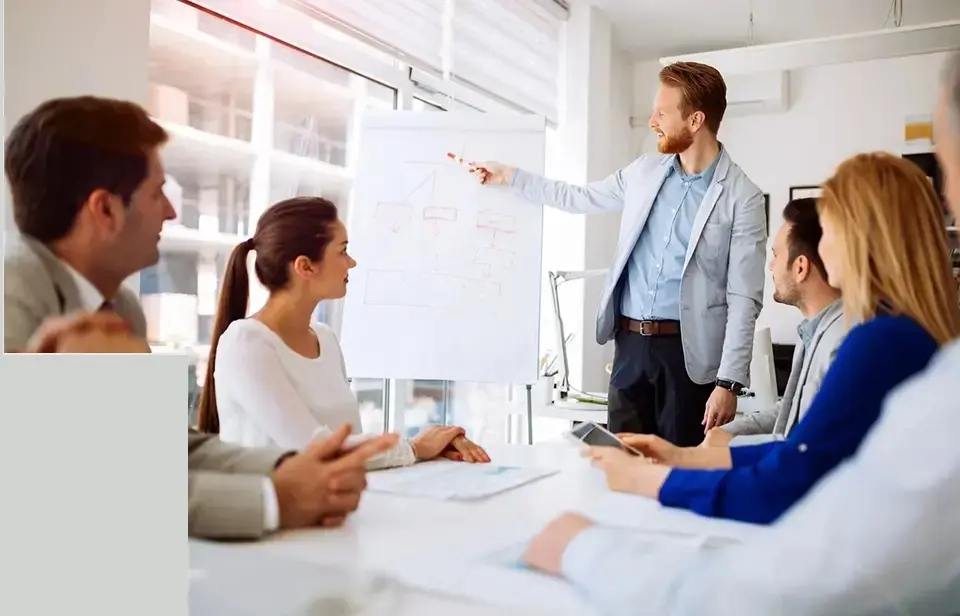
point(529, 414)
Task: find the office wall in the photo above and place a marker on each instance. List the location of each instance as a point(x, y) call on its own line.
point(835, 112)
point(57, 48)
point(594, 136)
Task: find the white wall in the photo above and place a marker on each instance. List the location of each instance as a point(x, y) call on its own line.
point(55, 48)
point(836, 111)
point(594, 136)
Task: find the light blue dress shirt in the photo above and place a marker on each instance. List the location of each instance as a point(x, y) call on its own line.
point(878, 536)
point(808, 327)
point(655, 267)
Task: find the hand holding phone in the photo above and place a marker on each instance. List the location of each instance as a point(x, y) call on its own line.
point(594, 435)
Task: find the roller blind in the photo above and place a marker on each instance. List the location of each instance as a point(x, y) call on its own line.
point(508, 48)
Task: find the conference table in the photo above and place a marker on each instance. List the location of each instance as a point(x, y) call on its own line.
point(438, 552)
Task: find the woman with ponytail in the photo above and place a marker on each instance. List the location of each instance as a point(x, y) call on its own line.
point(276, 377)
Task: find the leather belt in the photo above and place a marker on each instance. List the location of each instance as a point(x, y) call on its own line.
point(650, 328)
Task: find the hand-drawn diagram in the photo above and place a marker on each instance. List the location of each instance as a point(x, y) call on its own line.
point(453, 261)
point(495, 254)
point(397, 215)
point(426, 290)
point(437, 219)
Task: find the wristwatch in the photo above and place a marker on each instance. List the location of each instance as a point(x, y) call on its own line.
point(733, 386)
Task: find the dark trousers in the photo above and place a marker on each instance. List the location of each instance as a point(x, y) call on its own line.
point(650, 392)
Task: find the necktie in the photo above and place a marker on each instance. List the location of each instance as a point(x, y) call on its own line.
point(105, 306)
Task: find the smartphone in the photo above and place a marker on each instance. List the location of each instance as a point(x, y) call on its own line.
point(594, 435)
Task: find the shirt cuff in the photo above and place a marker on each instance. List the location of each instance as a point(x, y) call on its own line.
point(271, 508)
point(584, 556)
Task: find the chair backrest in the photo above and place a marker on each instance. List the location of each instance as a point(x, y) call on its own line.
point(763, 374)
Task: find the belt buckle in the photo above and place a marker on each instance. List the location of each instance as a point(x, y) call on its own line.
point(648, 328)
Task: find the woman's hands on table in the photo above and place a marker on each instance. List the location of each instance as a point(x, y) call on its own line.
point(448, 442)
point(462, 449)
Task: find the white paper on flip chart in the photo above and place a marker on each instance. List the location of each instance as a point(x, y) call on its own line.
point(448, 278)
point(453, 480)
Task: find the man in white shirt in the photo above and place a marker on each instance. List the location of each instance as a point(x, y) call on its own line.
point(878, 536)
point(88, 201)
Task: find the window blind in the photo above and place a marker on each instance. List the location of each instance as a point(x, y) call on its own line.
point(508, 48)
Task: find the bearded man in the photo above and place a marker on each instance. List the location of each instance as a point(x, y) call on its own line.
point(686, 285)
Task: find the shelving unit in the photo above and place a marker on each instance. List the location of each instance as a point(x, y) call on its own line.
point(251, 122)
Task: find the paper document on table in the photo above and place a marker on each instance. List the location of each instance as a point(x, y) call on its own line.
point(515, 591)
point(511, 556)
point(453, 480)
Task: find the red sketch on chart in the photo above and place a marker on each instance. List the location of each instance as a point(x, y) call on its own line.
point(437, 219)
point(426, 290)
point(395, 217)
point(495, 254)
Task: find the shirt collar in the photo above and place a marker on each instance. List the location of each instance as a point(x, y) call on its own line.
point(808, 327)
point(706, 175)
point(90, 298)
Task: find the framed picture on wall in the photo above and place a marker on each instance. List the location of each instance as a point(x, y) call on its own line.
point(802, 192)
point(766, 209)
point(928, 164)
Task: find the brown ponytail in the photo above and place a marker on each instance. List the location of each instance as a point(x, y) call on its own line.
point(302, 226)
point(231, 306)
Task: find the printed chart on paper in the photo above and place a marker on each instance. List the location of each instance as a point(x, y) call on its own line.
point(453, 481)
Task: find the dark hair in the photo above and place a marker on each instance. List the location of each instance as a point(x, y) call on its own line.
point(302, 226)
point(703, 89)
point(65, 149)
point(805, 232)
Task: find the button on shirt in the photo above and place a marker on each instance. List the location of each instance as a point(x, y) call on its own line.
point(655, 267)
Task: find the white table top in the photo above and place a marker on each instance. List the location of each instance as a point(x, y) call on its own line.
point(392, 533)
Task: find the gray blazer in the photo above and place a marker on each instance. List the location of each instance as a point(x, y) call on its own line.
point(721, 291)
point(36, 286)
point(806, 375)
point(225, 487)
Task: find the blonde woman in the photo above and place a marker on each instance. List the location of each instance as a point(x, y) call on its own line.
point(884, 246)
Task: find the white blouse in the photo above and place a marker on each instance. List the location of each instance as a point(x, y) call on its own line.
point(268, 394)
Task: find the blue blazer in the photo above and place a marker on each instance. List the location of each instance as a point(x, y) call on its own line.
point(768, 479)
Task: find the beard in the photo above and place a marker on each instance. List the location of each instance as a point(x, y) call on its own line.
point(787, 295)
point(675, 143)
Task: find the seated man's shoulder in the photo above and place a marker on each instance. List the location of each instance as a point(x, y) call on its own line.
point(833, 330)
point(26, 277)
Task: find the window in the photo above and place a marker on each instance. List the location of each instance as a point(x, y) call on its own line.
point(421, 105)
point(251, 122)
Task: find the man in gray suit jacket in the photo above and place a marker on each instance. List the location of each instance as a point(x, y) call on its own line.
point(87, 186)
point(799, 280)
point(238, 492)
point(686, 285)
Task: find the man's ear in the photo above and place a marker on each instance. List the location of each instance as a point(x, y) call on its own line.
point(801, 268)
point(105, 211)
point(697, 118)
